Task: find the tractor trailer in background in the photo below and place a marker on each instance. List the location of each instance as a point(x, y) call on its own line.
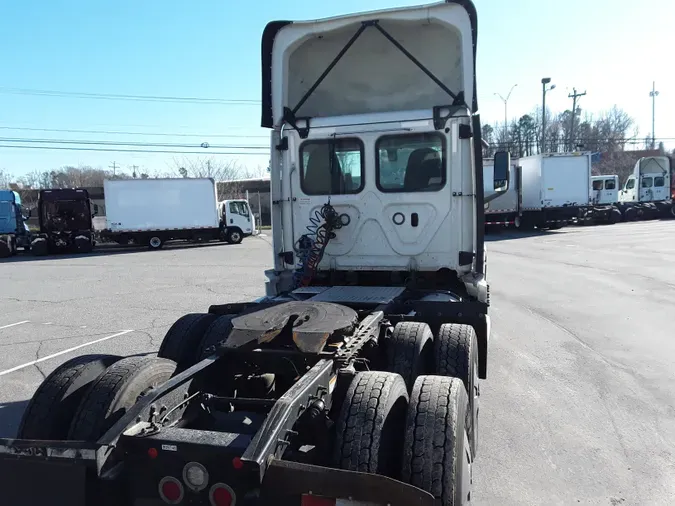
point(14, 232)
point(647, 192)
point(155, 211)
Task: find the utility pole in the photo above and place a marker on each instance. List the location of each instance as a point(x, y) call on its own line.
point(134, 167)
point(653, 94)
point(574, 97)
point(114, 168)
point(506, 117)
point(544, 82)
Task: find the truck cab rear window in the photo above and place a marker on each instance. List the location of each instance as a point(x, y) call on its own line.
point(610, 184)
point(597, 185)
point(647, 182)
point(411, 162)
point(659, 181)
point(331, 167)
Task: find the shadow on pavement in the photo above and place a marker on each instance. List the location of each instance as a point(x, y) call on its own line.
point(10, 417)
point(112, 249)
point(508, 235)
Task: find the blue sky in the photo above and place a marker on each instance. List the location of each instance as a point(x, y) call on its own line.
point(211, 49)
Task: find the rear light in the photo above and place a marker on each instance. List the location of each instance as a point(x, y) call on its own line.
point(195, 476)
point(170, 490)
point(237, 463)
point(313, 500)
point(222, 495)
point(152, 453)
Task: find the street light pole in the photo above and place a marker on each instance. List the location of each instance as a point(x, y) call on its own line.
point(653, 94)
point(506, 117)
point(544, 82)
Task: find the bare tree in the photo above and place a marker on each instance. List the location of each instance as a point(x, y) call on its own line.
point(5, 179)
point(208, 167)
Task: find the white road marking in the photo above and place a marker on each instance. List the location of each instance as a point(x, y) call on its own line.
point(54, 355)
point(14, 324)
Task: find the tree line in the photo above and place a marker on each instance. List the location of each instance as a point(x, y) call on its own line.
point(613, 134)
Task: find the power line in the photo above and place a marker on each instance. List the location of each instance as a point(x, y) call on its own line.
point(203, 145)
point(120, 132)
point(117, 96)
point(111, 150)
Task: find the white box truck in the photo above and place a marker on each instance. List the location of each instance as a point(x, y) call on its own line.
point(647, 192)
point(154, 211)
point(555, 188)
point(503, 211)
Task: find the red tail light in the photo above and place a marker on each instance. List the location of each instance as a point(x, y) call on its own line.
point(222, 495)
point(170, 490)
point(313, 500)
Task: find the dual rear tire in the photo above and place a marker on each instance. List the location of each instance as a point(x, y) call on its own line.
point(434, 453)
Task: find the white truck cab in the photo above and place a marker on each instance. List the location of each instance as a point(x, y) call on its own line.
point(237, 219)
point(649, 182)
point(605, 189)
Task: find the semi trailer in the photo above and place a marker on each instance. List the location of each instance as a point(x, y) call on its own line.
point(355, 379)
point(14, 232)
point(155, 211)
point(65, 221)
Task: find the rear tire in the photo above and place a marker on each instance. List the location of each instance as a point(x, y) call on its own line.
point(155, 242)
point(214, 336)
point(409, 351)
point(370, 424)
point(51, 410)
point(437, 457)
point(181, 342)
point(456, 356)
point(39, 247)
point(114, 392)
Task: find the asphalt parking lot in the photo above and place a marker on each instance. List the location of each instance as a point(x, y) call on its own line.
point(579, 405)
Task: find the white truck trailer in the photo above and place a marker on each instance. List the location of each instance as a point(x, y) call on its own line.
point(555, 188)
point(154, 211)
point(503, 211)
point(647, 192)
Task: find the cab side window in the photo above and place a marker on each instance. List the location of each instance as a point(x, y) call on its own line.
point(630, 184)
point(647, 182)
point(597, 185)
point(610, 184)
point(234, 208)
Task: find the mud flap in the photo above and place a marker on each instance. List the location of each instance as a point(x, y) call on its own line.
point(40, 482)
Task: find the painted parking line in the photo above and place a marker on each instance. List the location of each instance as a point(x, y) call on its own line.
point(14, 324)
point(54, 355)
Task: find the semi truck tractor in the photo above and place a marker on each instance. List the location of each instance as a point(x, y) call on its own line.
point(156, 211)
point(647, 194)
point(14, 232)
point(65, 218)
point(355, 379)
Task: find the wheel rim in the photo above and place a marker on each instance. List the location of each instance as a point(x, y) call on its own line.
point(155, 242)
point(235, 236)
point(516, 222)
point(466, 476)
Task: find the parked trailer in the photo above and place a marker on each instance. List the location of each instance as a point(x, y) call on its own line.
point(154, 211)
point(647, 192)
point(14, 232)
point(65, 219)
point(555, 188)
point(367, 349)
point(503, 211)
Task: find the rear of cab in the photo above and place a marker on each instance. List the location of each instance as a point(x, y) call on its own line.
point(388, 133)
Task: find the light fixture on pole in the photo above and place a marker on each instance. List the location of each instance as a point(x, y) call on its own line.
point(506, 121)
point(653, 94)
point(544, 82)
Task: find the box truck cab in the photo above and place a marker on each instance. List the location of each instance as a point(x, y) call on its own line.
point(503, 211)
point(604, 189)
point(14, 232)
point(237, 220)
